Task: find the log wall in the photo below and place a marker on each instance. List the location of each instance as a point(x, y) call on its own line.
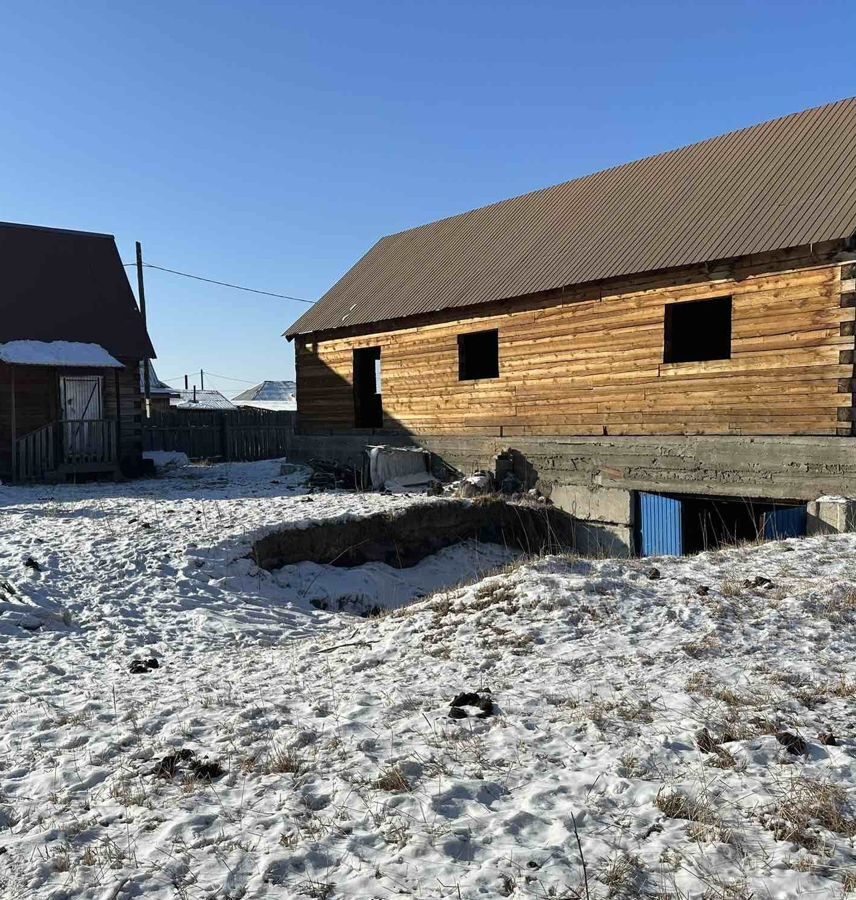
point(595, 366)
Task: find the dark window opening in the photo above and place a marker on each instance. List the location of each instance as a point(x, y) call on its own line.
point(368, 403)
point(697, 330)
point(478, 355)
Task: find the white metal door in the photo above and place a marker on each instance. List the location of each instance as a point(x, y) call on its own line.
point(81, 404)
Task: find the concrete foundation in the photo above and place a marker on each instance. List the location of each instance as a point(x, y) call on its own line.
point(831, 515)
point(778, 468)
point(595, 479)
point(604, 518)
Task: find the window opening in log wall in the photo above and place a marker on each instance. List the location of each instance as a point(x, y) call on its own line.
point(697, 330)
point(478, 355)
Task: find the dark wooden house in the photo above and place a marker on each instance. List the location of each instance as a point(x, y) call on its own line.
point(71, 343)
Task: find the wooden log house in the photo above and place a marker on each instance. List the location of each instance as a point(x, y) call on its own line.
point(682, 323)
point(71, 345)
point(709, 290)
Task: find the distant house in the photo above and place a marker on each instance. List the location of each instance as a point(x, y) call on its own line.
point(272, 395)
point(71, 342)
point(160, 394)
point(201, 400)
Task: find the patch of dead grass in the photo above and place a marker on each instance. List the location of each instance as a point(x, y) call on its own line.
point(392, 780)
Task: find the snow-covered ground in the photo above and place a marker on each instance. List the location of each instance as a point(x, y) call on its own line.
point(343, 774)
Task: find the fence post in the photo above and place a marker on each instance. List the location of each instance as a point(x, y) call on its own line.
point(224, 436)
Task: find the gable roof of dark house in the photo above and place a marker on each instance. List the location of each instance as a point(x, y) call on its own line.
point(786, 183)
point(60, 285)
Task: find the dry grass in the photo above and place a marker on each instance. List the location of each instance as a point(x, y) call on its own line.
point(621, 875)
point(839, 609)
point(807, 805)
point(392, 780)
point(677, 805)
point(284, 761)
point(724, 759)
point(731, 589)
point(848, 881)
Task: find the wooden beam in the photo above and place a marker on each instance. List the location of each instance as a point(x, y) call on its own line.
point(14, 413)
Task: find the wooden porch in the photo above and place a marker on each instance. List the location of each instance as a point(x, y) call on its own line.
point(68, 448)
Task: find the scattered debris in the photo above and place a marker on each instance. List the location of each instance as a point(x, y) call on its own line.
point(471, 704)
point(702, 590)
point(705, 742)
point(757, 582)
point(186, 759)
point(143, 666)
point(168, 766)
point(328, 474)
point(207, 770)
point(653, 573)
point(511, 484)
point(476, 485)
point(30, 563)
point(827, 739)
point(399, 468)
point(793, 743)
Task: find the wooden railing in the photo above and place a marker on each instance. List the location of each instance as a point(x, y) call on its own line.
point(35, 454)
point(70, 443)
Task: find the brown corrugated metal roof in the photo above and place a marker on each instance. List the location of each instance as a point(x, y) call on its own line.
point(58, 285)
point(785, 183)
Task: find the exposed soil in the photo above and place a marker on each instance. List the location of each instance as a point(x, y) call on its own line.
point(404, 537)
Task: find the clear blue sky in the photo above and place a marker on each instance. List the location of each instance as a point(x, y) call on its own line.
point(270, 144)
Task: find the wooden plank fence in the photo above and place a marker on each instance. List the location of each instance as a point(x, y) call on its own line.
point(240, 435)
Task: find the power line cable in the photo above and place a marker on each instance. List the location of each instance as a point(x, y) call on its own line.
point(236, 287)
point(228, 378)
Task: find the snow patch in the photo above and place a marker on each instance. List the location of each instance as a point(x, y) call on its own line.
point(167, 459)
point(57, 353)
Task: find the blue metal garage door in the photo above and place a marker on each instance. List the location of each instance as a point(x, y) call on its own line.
point(660, 526)
point(785, 523)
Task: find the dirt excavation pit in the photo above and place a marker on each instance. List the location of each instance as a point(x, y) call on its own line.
point(365, 565)
point(404, 538)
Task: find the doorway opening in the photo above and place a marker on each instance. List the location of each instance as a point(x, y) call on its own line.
point(368, 401)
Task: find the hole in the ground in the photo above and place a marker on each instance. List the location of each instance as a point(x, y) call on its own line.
point(364, 565)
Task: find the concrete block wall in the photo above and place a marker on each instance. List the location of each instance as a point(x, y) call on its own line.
point(777, 468)
point(595, 479)
point(830, 515)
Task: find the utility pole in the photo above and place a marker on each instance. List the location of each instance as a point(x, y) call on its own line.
point(186, 386)
point(141, 288)
point(201, 380)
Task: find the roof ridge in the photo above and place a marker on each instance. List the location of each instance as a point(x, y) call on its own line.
point(617, 166)
point(779, 184)
point(50, 228)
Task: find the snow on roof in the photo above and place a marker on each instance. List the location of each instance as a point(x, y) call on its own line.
point(57, 353)
point(272, 405)
point(202, 400)
point(278, 391)
point(156, 386)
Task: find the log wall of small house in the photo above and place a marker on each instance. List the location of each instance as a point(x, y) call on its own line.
point(595, 365)
point(37, 403)
point(125, 384)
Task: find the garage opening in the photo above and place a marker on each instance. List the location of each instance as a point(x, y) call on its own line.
point(368, 401)
point(697, 330)
point(675, 525)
